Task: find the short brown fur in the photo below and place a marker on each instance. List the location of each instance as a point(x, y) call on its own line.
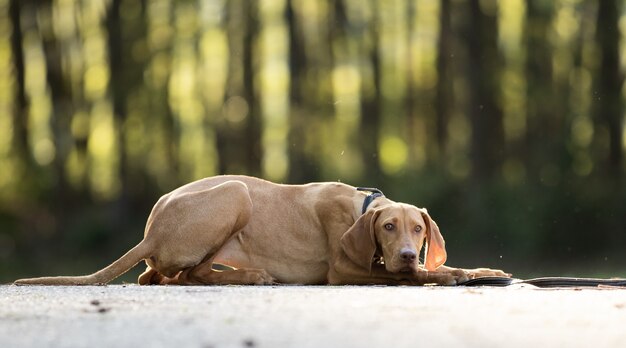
point(295, 234)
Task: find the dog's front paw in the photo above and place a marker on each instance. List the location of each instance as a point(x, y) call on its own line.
point(487, 272)
point(460, 276)
point(453, 277)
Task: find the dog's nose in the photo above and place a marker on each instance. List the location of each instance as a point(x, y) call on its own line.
point(408, 255)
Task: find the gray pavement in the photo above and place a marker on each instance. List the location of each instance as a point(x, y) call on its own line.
point(309, 316)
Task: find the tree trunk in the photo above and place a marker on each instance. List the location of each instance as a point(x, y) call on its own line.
point(62, 105)
point(301, 165)
point(609, 104)
point(20, 114)
point(539, 88)
point(238, 144)
point(485, 115)
point(121, 84)
point(371, 106)
point(252, 135)
point(445, 96)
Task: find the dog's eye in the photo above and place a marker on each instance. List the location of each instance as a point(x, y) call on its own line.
point(389, 227)
point(418, 229)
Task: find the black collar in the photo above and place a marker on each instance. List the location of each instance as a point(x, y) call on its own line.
point(374, 193)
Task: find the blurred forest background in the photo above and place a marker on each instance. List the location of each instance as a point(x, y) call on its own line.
point(505, 118)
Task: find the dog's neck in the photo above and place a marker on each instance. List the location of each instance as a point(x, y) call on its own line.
point(360, 198)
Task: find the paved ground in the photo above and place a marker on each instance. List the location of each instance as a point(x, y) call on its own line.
point(311, 316)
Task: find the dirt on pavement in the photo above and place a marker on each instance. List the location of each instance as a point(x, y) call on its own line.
point(309, 316)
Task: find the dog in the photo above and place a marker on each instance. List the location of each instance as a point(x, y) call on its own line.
point(317, 233)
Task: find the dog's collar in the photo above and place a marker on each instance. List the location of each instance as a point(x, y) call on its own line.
point(374, 193)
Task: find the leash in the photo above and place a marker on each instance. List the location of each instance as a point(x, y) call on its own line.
point(374, 193)
point(546, 282)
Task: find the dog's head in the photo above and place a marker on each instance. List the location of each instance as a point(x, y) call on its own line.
point(397, 231)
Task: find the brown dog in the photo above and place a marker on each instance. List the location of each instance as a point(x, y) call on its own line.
point(297, 234)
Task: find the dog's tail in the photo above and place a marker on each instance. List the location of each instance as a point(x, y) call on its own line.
point(103, 276)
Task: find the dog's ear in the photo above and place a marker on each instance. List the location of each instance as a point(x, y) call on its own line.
point(435, 253)
point(359, 241)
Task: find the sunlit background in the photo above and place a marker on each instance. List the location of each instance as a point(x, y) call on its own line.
point(505, 118)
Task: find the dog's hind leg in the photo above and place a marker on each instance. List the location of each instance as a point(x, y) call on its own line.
point(151, 277)
point(190, 227)
point(205, 274)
